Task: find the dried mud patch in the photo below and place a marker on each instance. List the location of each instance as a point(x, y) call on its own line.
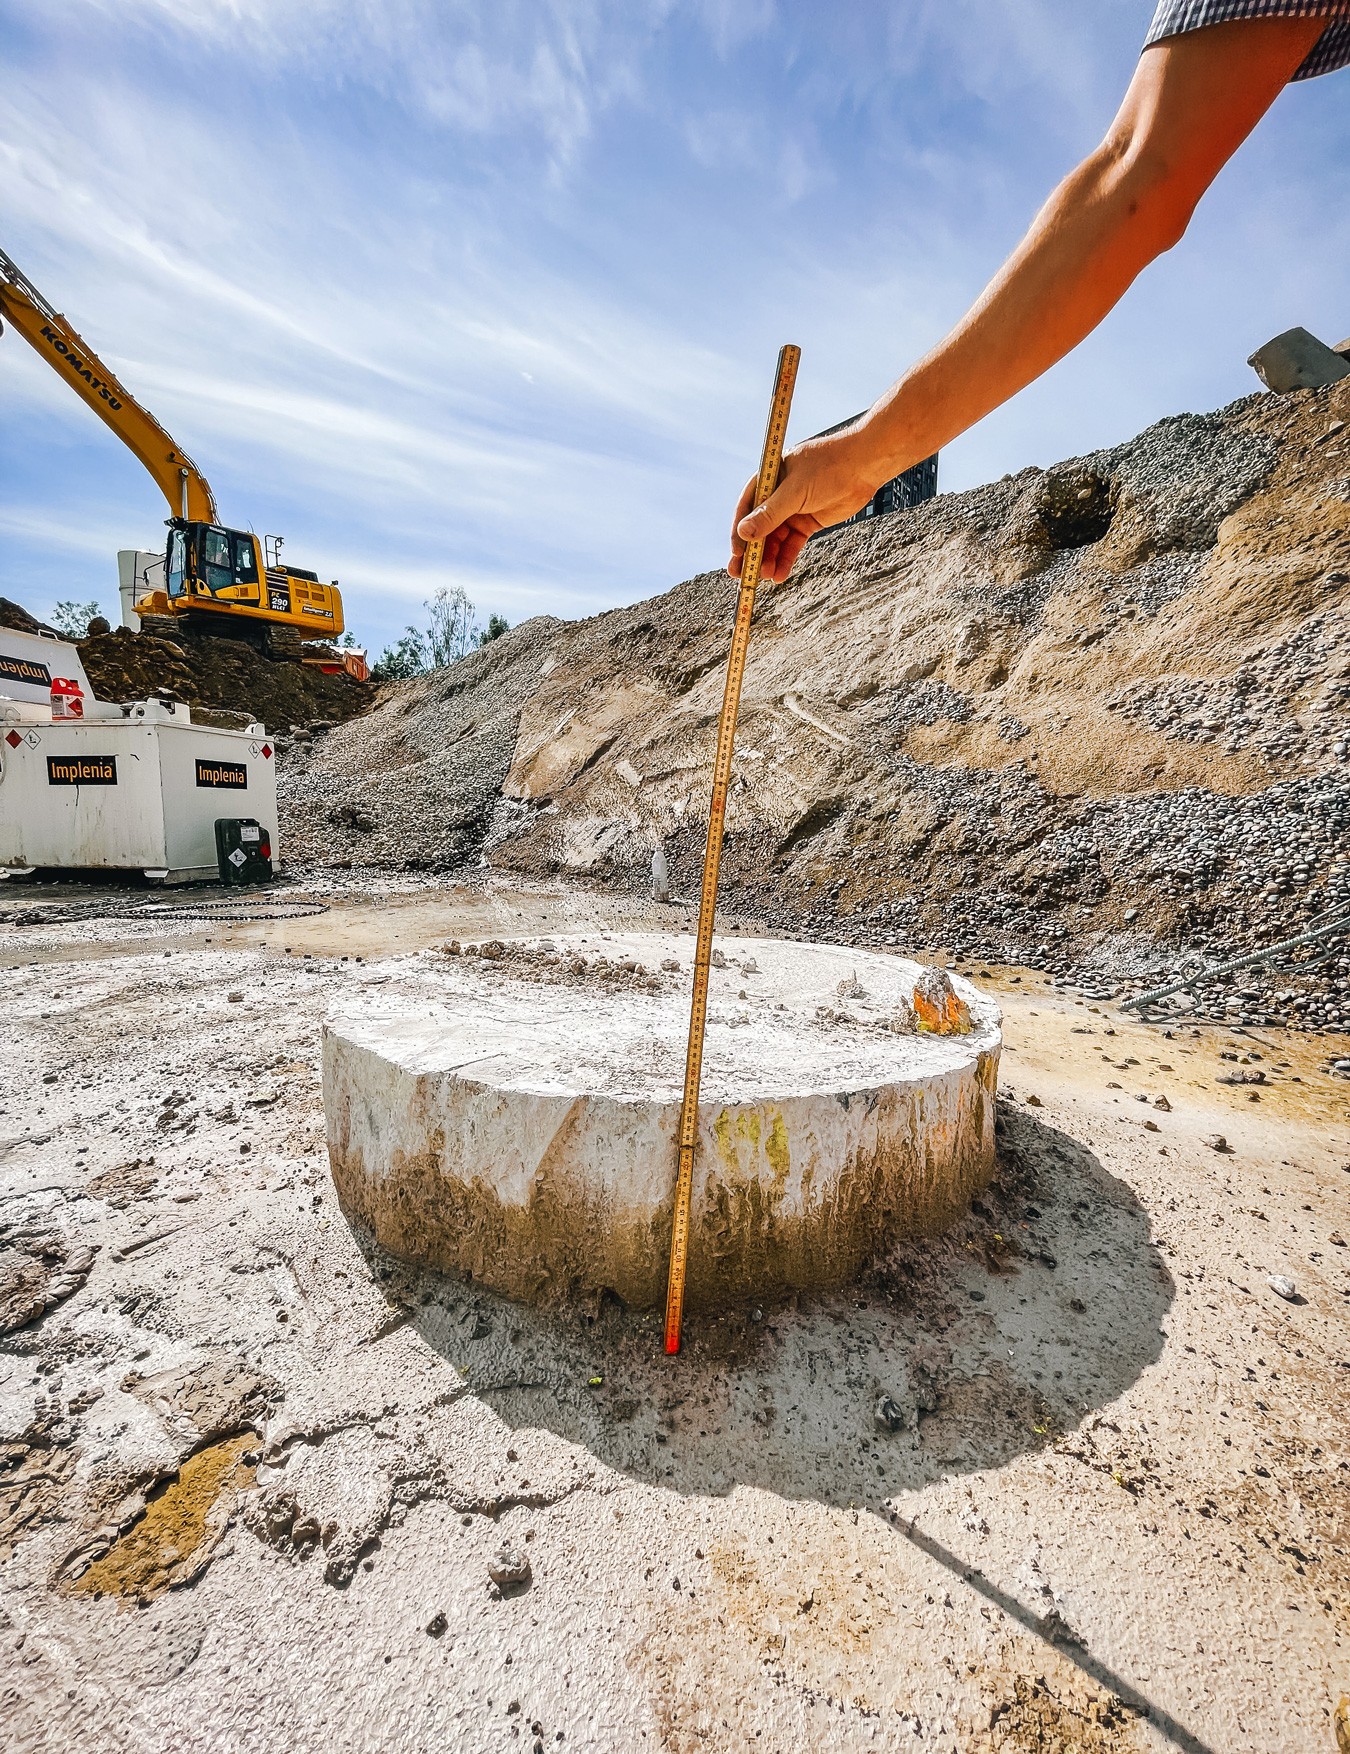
point(203, 1402)
point(40, 1266)
point(35, 1473)
point(1302, 1519)
point(119, 1186)
point(1038, 1718)
point(542, 962)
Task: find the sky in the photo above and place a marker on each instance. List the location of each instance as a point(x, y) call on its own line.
point(489, 295)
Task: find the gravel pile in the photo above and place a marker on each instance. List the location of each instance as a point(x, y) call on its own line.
point(1291, 700)
point(414, 784)
point(1092, 718)
point(1221, 875)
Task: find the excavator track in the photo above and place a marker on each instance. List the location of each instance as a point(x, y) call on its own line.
point(283, 642)
point(162, 627)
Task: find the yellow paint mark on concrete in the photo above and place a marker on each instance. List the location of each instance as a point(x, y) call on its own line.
point(776, 1147)
point(726, 1145)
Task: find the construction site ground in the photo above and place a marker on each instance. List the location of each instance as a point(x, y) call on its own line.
point(1073, 1476)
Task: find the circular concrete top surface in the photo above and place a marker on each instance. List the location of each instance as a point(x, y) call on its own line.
point(607, 1014)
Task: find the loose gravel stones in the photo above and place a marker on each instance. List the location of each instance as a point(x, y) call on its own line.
point(509, 1568)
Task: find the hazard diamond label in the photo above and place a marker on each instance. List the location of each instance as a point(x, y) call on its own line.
point(13, 739)
point(267, 751)
point(236, 857)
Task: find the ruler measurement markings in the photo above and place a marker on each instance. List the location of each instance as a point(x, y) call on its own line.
point(771, 459)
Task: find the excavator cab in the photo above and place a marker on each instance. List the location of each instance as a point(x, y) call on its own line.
point(210, 571)
point(204, 560)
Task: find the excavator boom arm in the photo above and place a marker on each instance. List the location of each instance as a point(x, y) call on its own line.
point(45, 329)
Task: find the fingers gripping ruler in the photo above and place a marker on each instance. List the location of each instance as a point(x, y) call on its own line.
point(771, 461)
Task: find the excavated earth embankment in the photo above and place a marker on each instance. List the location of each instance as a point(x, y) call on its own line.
point(1087, 717)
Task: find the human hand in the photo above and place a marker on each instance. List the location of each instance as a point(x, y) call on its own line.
point(822, 482)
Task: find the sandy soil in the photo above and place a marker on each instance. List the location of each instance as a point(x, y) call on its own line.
point(1074, 1477)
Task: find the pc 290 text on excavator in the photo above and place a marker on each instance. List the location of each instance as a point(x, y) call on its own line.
point(217, 579)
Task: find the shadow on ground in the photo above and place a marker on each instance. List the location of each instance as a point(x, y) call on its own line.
point(952, 1356)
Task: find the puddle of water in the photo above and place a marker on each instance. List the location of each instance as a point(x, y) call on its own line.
point(368, 926)
point(1043, 1048)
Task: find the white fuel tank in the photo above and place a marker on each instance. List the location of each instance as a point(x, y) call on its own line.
point(130, 787)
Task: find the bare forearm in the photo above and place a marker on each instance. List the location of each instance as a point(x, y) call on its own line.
point(1191, 103)
point(1104, 224)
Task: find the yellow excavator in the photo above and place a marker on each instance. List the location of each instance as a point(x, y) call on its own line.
point(216, 579)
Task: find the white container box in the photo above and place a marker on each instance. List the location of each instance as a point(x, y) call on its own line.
point(128, 788)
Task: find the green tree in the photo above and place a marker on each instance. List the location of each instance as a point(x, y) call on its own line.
point(451, 634)
point(408, 658)
point(496, 627)
point(72, 619)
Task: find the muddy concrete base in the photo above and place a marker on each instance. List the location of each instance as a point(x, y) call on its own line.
point(509, 1113)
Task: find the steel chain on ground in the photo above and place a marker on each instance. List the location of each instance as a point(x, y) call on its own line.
point(227, 911)
point(281, 910)
point(1337, 927)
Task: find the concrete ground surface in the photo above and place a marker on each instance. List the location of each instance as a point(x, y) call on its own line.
point(1073, 1477)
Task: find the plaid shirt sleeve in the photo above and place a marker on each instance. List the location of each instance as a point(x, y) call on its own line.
point(1330, 51)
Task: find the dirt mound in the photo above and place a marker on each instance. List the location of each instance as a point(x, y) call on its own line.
point(225, 679)
point(219, 676)
point(16, 616)
point(415, 783)
point(1071, 717)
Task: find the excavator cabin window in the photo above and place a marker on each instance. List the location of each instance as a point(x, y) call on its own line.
point(245, 562)
point(176, 571)
point(227, 559)
point(217, 564)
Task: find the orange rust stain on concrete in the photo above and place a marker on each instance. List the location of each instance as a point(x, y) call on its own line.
point(174, 1538)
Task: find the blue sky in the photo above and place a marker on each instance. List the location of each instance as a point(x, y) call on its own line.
point(489, 295)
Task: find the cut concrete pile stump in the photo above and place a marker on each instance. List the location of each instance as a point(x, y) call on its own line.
point(508, 1111)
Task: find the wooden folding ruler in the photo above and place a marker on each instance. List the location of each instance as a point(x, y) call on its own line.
point(770, 463)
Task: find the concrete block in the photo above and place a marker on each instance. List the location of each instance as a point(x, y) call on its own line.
point(1297, 360)
point(512, 1115)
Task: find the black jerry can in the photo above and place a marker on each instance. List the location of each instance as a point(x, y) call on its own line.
point(243, 850)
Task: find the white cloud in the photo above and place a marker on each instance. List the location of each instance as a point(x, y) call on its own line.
point(404, 589)
point(381, 396)
point(548, 65)
point(58, 535)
